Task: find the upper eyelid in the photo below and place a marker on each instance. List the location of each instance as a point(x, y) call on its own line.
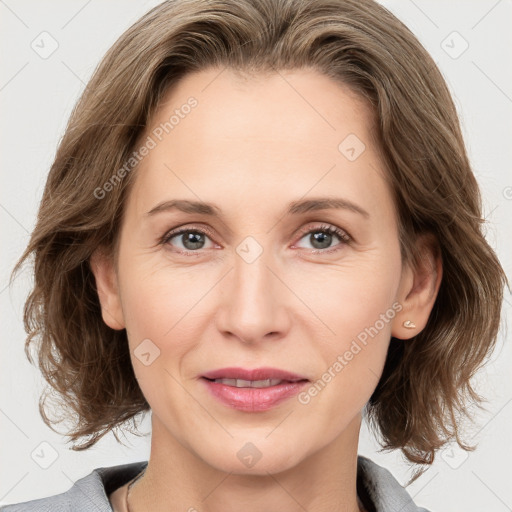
point(302, 231)
point(171, 233)
point(341, 232)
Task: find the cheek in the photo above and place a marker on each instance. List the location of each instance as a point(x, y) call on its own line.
point(159, 303)
point(349, 297)
point(161, 307)
point(356, 305)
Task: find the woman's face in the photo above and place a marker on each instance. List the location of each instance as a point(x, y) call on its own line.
point(256, 280)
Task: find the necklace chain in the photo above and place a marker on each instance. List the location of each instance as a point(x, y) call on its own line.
point(130, 486)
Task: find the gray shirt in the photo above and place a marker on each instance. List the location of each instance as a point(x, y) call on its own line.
point(378, 490)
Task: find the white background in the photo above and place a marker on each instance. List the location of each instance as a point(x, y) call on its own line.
point(37, 96)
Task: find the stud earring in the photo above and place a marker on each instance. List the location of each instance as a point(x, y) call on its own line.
point(409, 324)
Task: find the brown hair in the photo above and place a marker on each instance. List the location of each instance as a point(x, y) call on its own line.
point(426, 380)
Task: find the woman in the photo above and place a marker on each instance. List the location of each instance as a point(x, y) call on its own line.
point(261, 225)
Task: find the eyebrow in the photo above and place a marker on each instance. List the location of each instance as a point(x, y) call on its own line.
point(294, 208)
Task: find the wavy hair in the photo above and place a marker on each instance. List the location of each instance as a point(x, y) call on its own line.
point(426, 383)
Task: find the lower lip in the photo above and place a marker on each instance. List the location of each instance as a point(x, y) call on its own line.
point(253, 399)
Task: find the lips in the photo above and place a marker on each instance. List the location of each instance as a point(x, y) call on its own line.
point(256, 390)
point(251, 375)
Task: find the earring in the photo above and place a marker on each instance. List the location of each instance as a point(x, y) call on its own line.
point(409, 324)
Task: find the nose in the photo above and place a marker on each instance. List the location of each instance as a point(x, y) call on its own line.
point(255, 302)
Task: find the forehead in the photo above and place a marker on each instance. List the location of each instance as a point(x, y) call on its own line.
point(288, 133)
point(298, 104)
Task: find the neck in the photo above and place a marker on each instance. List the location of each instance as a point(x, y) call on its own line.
point(177, 479)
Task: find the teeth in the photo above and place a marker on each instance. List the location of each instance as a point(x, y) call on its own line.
point(240, 383)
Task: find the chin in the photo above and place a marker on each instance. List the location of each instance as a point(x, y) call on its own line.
point(258, 456)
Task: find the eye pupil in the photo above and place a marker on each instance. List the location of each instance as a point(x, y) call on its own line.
point(194, 238)
point(321, 237)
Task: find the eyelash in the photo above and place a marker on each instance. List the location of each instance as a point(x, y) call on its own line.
point(325, 228)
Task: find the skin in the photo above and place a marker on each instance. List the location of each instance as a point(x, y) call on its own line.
point(251, 146)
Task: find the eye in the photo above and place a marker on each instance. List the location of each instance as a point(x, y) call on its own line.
point(191, 240)
point(321, 238)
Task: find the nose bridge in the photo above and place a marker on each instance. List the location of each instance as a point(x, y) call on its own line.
point(254, 303)
point(253, 279)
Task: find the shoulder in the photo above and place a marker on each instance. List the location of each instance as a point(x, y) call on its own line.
point(379, 490)
point(89, 493)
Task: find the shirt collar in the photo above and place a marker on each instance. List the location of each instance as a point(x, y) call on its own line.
point(378, 490)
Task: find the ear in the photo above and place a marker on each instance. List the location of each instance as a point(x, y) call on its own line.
point(103, 268)
point(419, 286)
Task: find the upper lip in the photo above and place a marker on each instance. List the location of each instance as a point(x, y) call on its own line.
point(253, 374)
